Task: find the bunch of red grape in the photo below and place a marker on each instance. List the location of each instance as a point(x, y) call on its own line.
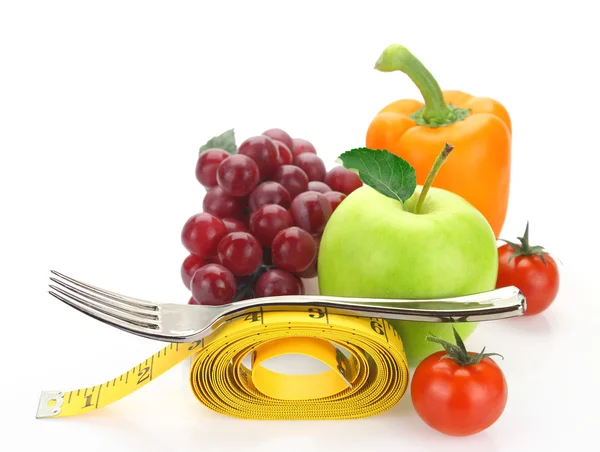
point(264, 212)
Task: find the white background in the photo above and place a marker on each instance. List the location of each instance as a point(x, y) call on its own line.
point(103, 106)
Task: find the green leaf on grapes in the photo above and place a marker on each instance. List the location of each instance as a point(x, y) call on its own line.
point(225, 141)
point(387, 173)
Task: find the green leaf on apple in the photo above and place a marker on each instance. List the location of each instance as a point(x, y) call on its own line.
point(225, 141)
point(387, 173)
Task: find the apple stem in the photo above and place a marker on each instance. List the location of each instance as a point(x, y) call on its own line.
point(435, 169)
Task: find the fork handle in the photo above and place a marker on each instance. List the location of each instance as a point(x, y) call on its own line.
point(496, 304)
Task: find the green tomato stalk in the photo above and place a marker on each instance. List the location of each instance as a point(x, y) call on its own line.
point(435, 169)
point(525, 248)
point(458, 352)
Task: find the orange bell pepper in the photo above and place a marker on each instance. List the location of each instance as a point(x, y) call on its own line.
point(479, 128)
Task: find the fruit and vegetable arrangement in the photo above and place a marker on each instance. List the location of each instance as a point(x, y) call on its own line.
point(416, 211)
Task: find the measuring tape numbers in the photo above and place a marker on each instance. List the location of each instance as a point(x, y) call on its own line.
point(367, 380)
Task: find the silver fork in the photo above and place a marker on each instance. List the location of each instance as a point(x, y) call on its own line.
point(188, 323)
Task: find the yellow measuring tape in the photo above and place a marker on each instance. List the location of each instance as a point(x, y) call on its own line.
point(368, 380)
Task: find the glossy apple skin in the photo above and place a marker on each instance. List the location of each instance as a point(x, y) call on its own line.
point(372, 247)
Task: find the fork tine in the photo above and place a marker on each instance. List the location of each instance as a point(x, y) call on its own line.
point(108, 313)
point(126, 308)
point(97, 315)
point(142, 304)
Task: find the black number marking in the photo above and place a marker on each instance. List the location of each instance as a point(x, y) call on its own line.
point(376, 326)
point(253, 316)
point(88, 400)
point(143, 375)
point(316, 313)
point(195, 344)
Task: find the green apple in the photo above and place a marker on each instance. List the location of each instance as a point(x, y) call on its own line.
point(375, 246)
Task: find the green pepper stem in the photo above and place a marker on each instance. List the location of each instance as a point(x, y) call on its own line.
point(435, 112)
point(435, 169)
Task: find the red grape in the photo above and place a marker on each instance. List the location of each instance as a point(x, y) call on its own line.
point(313, 268)
point(315, 185)
point(189, 266)
point(221, 205)
point(334, 198)
point(285, 155)
point(312, 165)
point(342, 180)
point(267, 221)
point(213, 284)
point(311, 271)
point(277, 282)
point(293, 249)
point(293, 179)
point(311, 211)
point(317, 240)
point(207, 165)
point(269, 193)
point(301, 145)
point(214, 259)
point(263, 151)
point(238, 175)
point(240, 252)
point(280, 135)
point(192, 301)
point(234, 225)
point(202, 233)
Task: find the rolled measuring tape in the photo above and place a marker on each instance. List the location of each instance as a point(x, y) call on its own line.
point(368, 380)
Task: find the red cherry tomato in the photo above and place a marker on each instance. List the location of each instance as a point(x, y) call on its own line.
point(459, 396)
point(533, 271)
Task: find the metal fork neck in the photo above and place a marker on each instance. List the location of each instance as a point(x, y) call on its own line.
point(493, 305)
